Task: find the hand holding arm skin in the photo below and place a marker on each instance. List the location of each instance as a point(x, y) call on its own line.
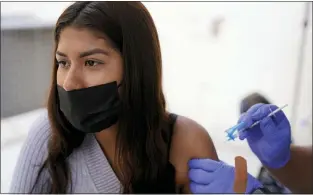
point(271, 143)
point(210, 176)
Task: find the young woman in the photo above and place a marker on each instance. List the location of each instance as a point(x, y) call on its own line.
point(107, 129)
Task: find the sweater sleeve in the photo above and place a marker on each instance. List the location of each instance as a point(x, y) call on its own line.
point(31, 158)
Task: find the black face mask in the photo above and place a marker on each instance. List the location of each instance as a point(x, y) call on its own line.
point(91, 109)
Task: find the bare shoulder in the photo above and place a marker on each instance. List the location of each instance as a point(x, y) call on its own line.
point(190, 140)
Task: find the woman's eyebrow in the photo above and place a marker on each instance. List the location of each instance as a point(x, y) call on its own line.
point(61, 54)
point(93, 51)
point(86, 53)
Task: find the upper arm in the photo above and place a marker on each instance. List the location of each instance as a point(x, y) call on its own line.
point(31, 159)
point(297, 174)
point(190, 140)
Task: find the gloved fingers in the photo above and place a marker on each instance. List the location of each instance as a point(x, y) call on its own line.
point(263, 112)
point(267, 126)
point(199, 188)
point(253, 135)
point(200, 176)
point(246, 119)
point(243, 135)
point(205, 164)
point(255, 107)
point(279, 116)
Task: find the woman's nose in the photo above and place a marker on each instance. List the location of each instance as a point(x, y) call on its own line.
point(73, 80)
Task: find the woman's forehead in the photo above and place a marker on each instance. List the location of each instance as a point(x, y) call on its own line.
point(80, 39)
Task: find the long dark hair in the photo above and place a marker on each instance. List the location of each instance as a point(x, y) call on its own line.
point(141, 141)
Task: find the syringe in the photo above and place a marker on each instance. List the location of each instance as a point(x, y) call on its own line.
point(232, 132)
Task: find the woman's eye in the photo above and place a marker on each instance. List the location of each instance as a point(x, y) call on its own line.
point(92, 63)
point(62, 64)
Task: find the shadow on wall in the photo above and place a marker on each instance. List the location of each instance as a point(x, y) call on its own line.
point(26, 60)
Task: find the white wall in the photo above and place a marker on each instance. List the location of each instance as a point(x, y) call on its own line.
point(257, 50)
point(303, 125)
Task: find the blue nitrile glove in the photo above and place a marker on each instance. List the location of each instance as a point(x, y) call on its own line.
point(271, 139)
point(210, 176)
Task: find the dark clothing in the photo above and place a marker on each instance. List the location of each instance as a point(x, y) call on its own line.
point(166, 181)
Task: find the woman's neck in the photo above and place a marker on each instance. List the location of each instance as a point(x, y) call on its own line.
point(107, 137)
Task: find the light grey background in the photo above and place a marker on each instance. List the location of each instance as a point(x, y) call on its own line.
point(26, 60)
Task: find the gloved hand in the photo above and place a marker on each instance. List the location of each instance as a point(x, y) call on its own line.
point(271, 139)
point(209, 176)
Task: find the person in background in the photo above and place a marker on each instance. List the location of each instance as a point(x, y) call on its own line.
point(264, 176)
point(270, 141)
point(107, 129)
